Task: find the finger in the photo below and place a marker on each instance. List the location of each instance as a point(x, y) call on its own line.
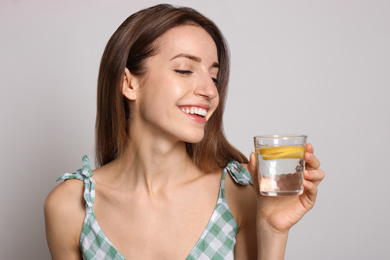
point(315, 176)
point(312, 162)
point(308, 198)
point(309, 148)
point(252, 162)
point(252, 167)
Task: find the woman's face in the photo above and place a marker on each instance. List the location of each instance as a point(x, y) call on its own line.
point(179, 92)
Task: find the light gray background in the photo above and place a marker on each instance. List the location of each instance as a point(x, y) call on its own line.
point(316, 67)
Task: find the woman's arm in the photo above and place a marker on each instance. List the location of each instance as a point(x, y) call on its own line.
point(255, 239)
point(64, 214)
point(276, 215)
point(271, 243)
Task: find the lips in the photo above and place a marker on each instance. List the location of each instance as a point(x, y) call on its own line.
point(196, 112)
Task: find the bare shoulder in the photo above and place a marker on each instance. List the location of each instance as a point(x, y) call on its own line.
point(242, 203)
point(66, 198)
point(64, 215)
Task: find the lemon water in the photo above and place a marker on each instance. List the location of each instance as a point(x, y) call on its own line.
point(280, 170)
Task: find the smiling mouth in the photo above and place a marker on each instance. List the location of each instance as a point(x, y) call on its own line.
point(195, 111)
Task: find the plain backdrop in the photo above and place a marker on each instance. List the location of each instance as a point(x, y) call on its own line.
point(319, 67)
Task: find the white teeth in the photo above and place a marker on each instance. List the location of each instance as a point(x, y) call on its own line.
point(195, 110)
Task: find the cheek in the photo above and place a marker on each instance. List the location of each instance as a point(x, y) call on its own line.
point(215, 103)
point(156, 105)
point(152, 106)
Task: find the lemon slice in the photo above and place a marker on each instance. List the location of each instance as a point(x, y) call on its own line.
point(281, 152)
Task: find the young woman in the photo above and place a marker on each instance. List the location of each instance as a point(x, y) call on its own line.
point(168, 184)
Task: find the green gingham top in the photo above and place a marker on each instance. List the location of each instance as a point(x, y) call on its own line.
point(216, 242)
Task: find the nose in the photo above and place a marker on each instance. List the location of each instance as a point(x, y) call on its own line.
point(206, 87)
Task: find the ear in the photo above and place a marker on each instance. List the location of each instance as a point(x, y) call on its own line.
point(130, 85)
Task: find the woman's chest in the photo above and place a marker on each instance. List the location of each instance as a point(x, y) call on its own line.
point(163, 228)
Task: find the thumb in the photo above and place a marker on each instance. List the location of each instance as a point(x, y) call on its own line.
point(252, 163)
point(252, 167)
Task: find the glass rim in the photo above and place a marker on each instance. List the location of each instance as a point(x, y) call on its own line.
point(278, 136)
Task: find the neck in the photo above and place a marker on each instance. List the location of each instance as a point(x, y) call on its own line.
point(153, 164)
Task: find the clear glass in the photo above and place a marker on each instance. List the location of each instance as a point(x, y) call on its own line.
point(280, 164)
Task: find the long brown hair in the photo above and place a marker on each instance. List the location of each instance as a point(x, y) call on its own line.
point(129, 47)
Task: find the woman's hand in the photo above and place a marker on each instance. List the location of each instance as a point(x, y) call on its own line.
point(279, 214)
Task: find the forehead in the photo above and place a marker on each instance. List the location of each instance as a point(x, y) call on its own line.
point(191, 39)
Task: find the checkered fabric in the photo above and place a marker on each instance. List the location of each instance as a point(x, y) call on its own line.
point(216, 242)
point(93, 242)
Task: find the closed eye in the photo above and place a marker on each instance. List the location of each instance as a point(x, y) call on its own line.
point(216, 81)
point(183, 72)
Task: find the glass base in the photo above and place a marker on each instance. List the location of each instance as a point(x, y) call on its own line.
point(281, 193)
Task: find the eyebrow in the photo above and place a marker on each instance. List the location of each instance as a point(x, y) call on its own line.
point(194, 58)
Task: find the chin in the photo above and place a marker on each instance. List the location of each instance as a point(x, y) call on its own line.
point(194, 138)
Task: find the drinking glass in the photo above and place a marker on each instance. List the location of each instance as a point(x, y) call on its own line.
point(280, 164)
